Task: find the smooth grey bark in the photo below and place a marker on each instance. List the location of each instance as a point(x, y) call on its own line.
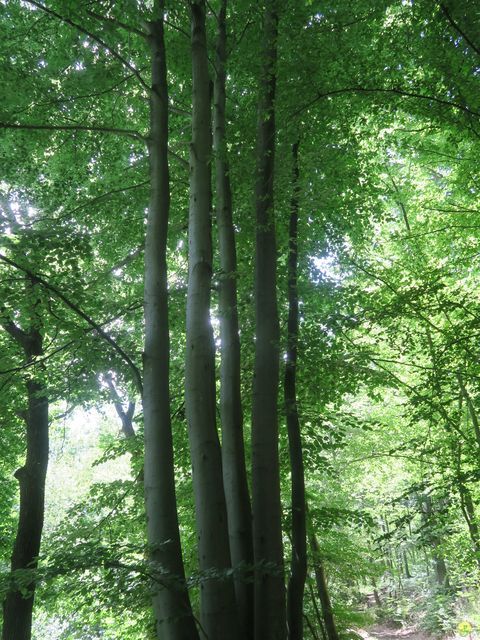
point(218, 611)
point(231, 412)
point(298, 564)
point(171, 604)
point(17, 609)
point(270, 602)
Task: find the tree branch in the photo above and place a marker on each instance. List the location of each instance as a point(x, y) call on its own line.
point(66, 345)
point(66, 99)
point(181, 160)
point(95, 38)
point(457, 28)
point(395, 91)
point(391, 288)
point(73, 127)
point(116, 23)
point(126, 417)
point(88, 203)
point(71, 305)
point(18, 334)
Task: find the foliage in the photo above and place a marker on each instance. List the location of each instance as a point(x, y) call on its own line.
point(383, 97)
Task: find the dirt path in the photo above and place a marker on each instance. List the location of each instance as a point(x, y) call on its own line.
point(382, 632)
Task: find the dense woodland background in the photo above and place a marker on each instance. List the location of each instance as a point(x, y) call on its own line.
point(239, 274)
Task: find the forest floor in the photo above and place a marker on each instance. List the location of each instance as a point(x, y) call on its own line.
point(385, 632)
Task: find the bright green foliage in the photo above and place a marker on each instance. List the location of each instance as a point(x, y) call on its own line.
point(384, 96)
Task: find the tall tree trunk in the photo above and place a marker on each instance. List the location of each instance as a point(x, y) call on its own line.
point(296, 583)
point(270, 613)
point(171, 605)
point(218, 611)
point(471, 408)
point(406, 567)
point(468, 511)
point(231, 413)
point(318, 615)
point(387, 549)
point(376, 595)
point(311, 628)
point(17, 609)
point(322, 588)
point(466, 503)
point(441, 573)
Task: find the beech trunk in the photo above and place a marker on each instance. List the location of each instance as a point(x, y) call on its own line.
point(322, 588)
point(171, 605)
point(231, 413)
point(298, 565)
point(270, 603)
point(218, 611)
point(18, 607)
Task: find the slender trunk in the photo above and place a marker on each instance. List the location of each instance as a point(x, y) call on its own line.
point(441, 573)
point(171, 605)
point(231, 413)
point(218, 611)
point(324, 596)
point(387, 549)
point(468, 511)
point(466, 502)
point(126, 417)
point(296, 583)
point(310, 626)
point(376, 595)
point(427, 564)
point(17, 609)
point(405, 565)
point(467, 506)
point(471, 408)
point(270, 612)
point(318, 615)
point(322, 588)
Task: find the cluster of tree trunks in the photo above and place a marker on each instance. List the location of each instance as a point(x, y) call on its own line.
point(239, 543)
point(240, 549)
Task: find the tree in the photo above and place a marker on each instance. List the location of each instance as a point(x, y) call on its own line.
point(267, 535)
point(18, 603)
point(218, 613)
point(298, 575)
point(231, 410)
point(371, 305)
point(171, 603)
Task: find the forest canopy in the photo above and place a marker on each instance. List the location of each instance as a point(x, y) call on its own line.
point(239, 317)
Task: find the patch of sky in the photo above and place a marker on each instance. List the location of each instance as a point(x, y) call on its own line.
point(325, 267)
